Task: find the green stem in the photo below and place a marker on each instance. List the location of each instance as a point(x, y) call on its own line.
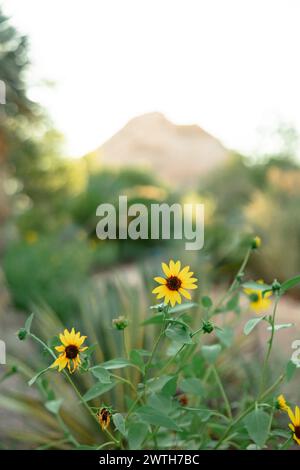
point(248, 410)
point(223, 393)
point(125, 381)
point(149, 363)
point(272, 323)
point(235, 282)
point(126, 349)
point(105, 444)
point(53, 444)
point(42, 343)
point(134, 403)
point(184, 346)
point(88, 408)
point(67, 431)
point(286, 443)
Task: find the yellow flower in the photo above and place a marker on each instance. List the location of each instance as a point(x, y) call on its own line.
point(258, 302)
point(31, 237)
point(175, 283)
point(104, 418)
point(281, 403)
point(256, 243)
point(295, 423)
point(70, 350)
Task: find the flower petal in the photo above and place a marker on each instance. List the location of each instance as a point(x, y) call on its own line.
point(185, 293)
point(158, 289)
point(166, 269)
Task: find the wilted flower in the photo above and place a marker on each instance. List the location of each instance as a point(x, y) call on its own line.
point(175, 283)
point(104, 417)
point(181, 397)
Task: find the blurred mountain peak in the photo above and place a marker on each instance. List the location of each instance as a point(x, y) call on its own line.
point(179, 154)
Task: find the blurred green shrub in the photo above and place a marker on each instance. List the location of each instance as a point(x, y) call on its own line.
point(260, 198)
point(49, 269)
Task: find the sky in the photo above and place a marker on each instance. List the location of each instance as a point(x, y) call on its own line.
point(231, 66)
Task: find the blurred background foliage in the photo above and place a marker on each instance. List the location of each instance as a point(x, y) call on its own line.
point(53, 262)
point(51, 205)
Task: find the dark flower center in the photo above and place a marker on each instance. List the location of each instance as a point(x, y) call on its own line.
point(71, 351)
point(104, 414)
point(173, 283)
point(297, 431)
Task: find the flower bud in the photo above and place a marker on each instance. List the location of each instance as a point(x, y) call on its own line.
point(276, 286)
point(22, 333)
point(256, 243)
point(207, 327)
point(120, 323)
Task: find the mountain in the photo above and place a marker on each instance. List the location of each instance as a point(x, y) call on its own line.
point(179, 154)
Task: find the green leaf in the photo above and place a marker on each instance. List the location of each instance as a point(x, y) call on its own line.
point(53, 342)
point(89, 351)
point(155, 417)
point(169, 389)
point(233, 303)
point(101, 374)
point(290, 371)
point(161, 403)
point(211, 352)
point(251, 324)
point(86, 447)
point(154, 320)
point(156, 384)
point(206, 301)
point(183, 307)
point(203, 413)
point(97, 390)
point(279, 326)
point(38, 375)
point(179, 334)
point(225, 335)
point(119, 422)
point(290, 283)
point(116, 364)
point(28, 323)
point(137, 433)
point(54, 406)
point(256, 286)
point(257, 425)
point(137, 360)
point(192, 386)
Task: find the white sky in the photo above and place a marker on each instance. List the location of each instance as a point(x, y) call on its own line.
point(230, 66)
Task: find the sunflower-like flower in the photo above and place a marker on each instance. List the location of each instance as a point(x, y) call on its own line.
point(104, 418)
point(294, 417)
point(258, 302)
point(295, 423)
point(281, 403)
point(70, 350)
point(175, 284)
